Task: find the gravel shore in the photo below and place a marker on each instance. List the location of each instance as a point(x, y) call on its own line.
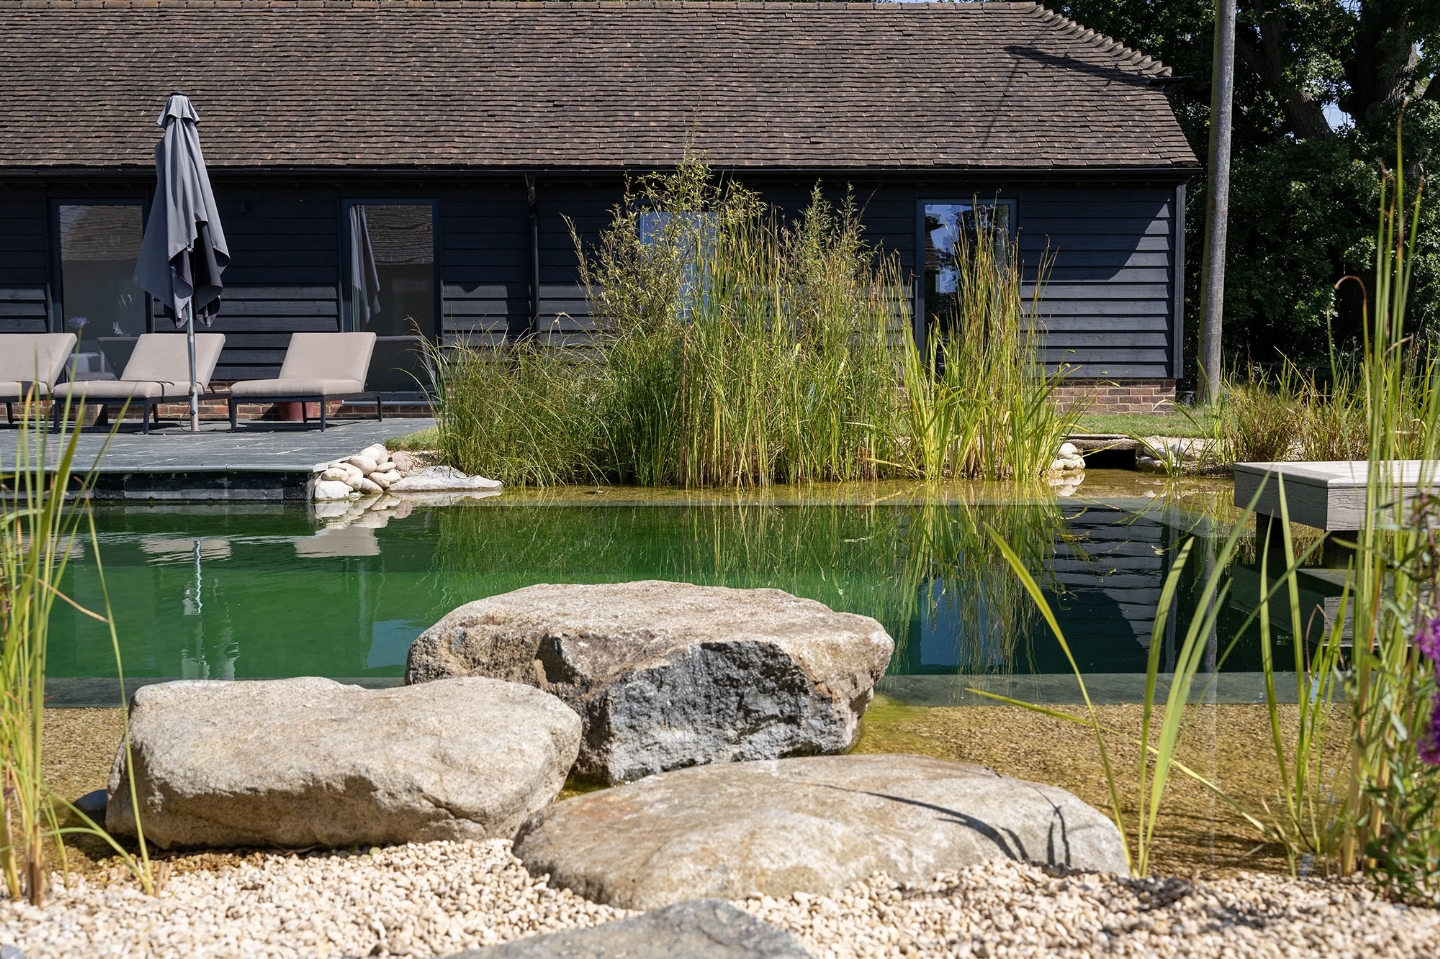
point(438, 898)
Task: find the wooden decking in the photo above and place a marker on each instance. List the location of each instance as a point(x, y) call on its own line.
point(1329, 495)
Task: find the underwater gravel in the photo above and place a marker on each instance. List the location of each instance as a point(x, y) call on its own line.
point(438, 898)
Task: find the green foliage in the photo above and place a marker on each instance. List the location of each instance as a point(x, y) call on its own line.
point(1300, 191)
point(977, 401)
point(519, 413)
point(41, 528)
point(737, 349)
point(1396, 833)
point(1386, 818)
point(1259, 424)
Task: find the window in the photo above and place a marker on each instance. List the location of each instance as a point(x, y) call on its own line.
point(99, 244)
point(941, 224)
point(391, 267)
point(694, 235)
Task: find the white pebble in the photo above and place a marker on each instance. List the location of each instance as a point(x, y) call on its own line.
point(331, 490)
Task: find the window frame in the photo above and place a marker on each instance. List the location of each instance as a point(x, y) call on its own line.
point(973, 201)
point(347, 318)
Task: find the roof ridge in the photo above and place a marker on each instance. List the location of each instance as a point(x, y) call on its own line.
point(1106, 44)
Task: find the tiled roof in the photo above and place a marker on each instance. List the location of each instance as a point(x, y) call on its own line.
point(449, 83)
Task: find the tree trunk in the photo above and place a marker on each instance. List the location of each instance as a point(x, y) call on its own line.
point(1268, 51)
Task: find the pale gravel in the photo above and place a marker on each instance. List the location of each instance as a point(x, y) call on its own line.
point(438, 898)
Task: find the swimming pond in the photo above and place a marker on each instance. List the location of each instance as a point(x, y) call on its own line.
point(250, 591)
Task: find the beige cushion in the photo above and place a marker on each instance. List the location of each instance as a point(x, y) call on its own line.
point(37, 357)
point(317, 364)
point(121, 389)
point(14, 391)
point(165, 358)
point(328, 356)
point(296, 387)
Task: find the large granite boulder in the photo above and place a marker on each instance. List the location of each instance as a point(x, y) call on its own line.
point(667, 675)
point(699, 929)
point(312, 762)
point(813, 824)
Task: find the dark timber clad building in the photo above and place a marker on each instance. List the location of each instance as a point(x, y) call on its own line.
point(458, 137)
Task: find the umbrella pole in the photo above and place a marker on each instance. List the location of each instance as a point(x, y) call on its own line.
point(194, 395)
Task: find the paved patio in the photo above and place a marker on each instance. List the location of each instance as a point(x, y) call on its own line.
point(255, 448)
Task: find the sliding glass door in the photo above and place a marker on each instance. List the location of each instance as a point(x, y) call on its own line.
point(99, 301)
point(390, 267)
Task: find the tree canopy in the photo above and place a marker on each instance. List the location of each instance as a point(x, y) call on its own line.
point(1303, 183)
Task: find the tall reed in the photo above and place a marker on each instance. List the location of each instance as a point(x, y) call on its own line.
point(1382, 814)
point(1392, 686)
point(978, 401)
point(739, 350)
point(40, 530)
point(734, 347)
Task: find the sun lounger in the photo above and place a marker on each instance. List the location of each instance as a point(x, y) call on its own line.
point(158, 371)
point(31, 360)
point(318, 367)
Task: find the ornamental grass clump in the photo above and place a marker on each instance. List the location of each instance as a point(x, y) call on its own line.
point(42, 525)
point(978, 402)
point(740, 350)
point(521, 413)
point(735, 347)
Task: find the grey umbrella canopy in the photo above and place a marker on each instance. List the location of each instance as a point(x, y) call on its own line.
point(184, 251)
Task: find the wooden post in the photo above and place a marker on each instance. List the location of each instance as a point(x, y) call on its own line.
point(1217, 200)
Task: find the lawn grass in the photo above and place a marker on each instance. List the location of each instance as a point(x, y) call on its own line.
point(428, 439)
point(1146, 424)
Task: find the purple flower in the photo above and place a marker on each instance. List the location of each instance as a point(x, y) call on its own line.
point(1427, 640)
point(1430, 740)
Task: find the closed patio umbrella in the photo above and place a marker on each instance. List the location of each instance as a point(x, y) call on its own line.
point(184, 251)
point(364, 276)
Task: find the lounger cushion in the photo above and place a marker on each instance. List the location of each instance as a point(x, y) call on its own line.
point(12, 391)
point(328, 356)
point(165, 358)
point(39, 357)
point(123, 390)
point(297, 386)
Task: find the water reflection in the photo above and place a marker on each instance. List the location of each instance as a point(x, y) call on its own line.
point(237, 591)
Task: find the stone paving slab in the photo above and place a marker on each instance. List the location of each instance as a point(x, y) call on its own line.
point(254, 448)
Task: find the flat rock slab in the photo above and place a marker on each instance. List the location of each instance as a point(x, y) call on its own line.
point(312, 762)
point(811, 825)
point(667, 675)
point(441, 479)
point(699, 929)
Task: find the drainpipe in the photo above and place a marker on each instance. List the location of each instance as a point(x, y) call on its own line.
point(534, 254)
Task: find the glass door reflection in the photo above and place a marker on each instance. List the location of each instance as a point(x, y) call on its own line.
point(100, 303)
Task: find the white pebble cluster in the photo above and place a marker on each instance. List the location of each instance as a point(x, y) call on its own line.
point(1159, 455)
point(1067, 471)
point(438, 898)
point(368, 473)
point(1068, 459)
point(1005, 909)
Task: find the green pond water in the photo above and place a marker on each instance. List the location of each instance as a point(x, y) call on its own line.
point(240, 591)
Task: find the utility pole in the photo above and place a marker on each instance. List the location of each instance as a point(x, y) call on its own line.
point(1217, 201)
